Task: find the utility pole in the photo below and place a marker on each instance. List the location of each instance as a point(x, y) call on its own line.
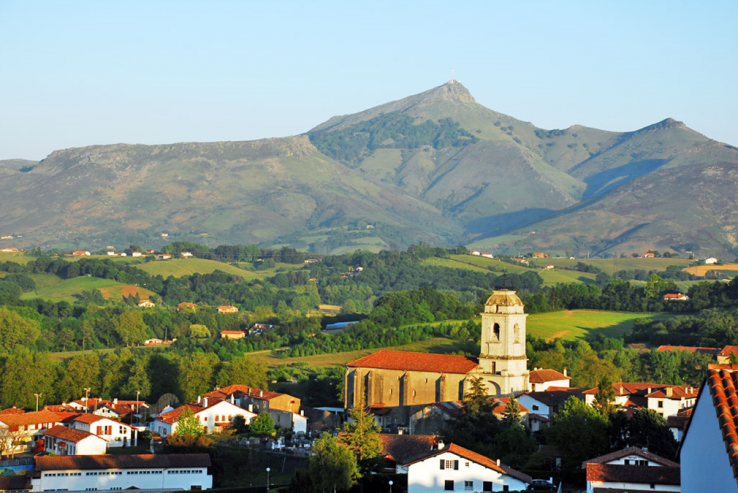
point(37, 396)
point(87, 398)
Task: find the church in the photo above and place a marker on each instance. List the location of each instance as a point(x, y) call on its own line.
point(394, 384)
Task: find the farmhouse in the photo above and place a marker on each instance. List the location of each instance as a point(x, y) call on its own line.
point(711, 260)
point(146, 304)
point(185, 305)
point(232, 334)
point(227, 309)
point(153, 342)
point(165, 472)
point(676, 297)
point(649, 255)
point(80, 253)
point(185, 254)
point(488, 255)
point(475, 252)
point(136, 254)
point(164, 256)
point(9, 250)
point(540, 255)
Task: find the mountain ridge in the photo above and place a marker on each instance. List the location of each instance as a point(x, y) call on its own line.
point(436, 166)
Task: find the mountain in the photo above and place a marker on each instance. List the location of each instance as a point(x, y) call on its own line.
point(436, 167)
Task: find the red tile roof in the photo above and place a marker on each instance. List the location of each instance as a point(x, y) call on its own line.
point(89, 418)
point(69, 434)
point(12, 410)
point(173, 415)
point(479, 459)
point(728, 350)
point(406, 448)
point(722, 385)
point(232, 332)
point(603, 459)
point(407, 361)
point(252, 392)
point(123, 461)
point(633, 474)
point(33, 418)
point(542, 376)
point(503, 401)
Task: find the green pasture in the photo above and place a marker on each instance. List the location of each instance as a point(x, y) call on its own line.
point(577, 324)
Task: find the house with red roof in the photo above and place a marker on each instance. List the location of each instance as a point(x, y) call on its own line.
point(26, 428)
point(455, 468)
point(117, 434)
point(728, 352)
point(232, 334)
point(676, 297)
point(214, 415)
point(709, 450)
point(542, 405)
point(666, 400)
point(227, 309)
point(632, 469)
point(61, 440)
point(541, 379)
point(712, 351)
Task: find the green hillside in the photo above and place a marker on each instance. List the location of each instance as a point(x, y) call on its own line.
point(436, 167)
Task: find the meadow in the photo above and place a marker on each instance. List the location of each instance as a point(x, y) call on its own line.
point(53, 288)
point(578, 324)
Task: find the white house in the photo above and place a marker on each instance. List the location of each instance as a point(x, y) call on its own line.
point(136, 254)
point(488, 255)
point(631, 469)
point(162, 472)
point(709, 451)
point(475, 252)
point(666, 400)
point(116, 433)
point(711, 260)
point(146, 304)
point(455, 468)
point(541, 379)
point(61, 440)
point(214, 417)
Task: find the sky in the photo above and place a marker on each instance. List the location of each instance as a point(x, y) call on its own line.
point(152, 72)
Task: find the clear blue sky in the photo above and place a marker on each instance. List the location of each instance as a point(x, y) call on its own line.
point(101, 72)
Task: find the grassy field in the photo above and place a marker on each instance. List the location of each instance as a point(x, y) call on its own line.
point(577, 324)
point(18, 258)
point(187, 267)
point(701, 270)
point(609, 266)
point(55, 289)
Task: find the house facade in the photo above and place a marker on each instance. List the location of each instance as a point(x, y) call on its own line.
point(214, 417)
point(541, 379)
point(631, 469)
point(61, 440)
point(116, 433)
point(25, 428)
point(709, 450)
point(455, 468)
point(163, 472)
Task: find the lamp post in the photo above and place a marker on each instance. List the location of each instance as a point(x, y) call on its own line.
point(87, 397)
point(268, 479)
point(37, 396)
point(138, 408)
point(390, 483)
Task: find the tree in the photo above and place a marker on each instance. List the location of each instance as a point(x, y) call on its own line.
point(604, 400)
point(16, 330)
point(199, 330)
point(579, 432)
point(188, 424)
point(512, 411)
point(239, 424)
point(332, 467)
point(262, 425)
point(81, 372)
point(475, 399)
point(196, 375)
point(647, 428)
point(186, 444)
point(243, 371)
point(361, 434)
point(130, 327)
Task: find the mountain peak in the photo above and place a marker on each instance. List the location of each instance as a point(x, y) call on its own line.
point(452, 90)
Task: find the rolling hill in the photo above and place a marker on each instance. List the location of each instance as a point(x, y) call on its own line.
point(435, 167)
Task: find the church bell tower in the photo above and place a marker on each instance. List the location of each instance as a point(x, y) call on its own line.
point(502, 357)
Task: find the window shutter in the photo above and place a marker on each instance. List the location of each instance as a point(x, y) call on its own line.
point(456, 465)
point(443, 464)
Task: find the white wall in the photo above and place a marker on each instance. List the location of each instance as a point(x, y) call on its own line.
point(704, 462)
point(92, 445)
point(427, 477)
point(534, 406)
point(81, 480)
point(631, 486)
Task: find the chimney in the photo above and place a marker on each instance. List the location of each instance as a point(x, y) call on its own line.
point(233, 398)
point(199, 399)
point(115, 401)
point(498, 462)
point(261, 393)
point(669, 392)
point(566, 373)
point(399, 431)
point(251, 408)
point(205, 402)
point(649, 390)
point(302, 412)
point(441, 445)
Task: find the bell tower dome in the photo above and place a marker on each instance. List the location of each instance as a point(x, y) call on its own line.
point(502, 356)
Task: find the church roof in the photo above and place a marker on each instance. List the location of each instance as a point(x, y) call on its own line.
point(408, 361)
point(504, 297)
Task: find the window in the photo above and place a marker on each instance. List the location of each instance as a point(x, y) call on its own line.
point(468, 485)
point(467, 464)
point(449, 486)
point(661, 404)
point(496, 331)
point(505, 487)
point(535, 407)
point(653, 486)
point(487, 486)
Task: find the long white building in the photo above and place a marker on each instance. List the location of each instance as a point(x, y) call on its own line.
point(164, 472)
